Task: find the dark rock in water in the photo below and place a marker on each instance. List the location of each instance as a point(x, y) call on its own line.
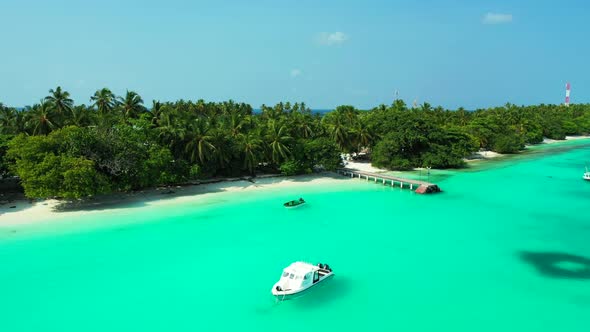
point(12, 207)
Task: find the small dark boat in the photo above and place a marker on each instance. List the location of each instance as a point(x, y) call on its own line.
point(295, 203)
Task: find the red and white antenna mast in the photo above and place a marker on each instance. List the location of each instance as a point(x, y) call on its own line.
point(567, 93)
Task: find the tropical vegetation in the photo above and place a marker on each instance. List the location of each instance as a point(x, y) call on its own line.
point(116, 143)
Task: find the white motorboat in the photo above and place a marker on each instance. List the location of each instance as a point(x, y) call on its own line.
point(299, 277)
point(586, 175)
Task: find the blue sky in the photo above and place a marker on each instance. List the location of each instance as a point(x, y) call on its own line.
point(469, 53)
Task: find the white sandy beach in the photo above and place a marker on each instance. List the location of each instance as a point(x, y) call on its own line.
point(483, 155)
point(26, 213)
point(363, 167)
point(567, 138)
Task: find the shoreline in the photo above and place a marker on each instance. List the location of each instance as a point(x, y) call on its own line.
point(478, 156)
point(27, 212)
point(487, 155)
point(567, 138)
point(52, 210)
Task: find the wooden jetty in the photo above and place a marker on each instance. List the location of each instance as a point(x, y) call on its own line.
point(422, 187)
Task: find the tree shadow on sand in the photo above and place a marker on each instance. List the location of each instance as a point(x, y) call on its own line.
point(141, 198)
point(558, 265)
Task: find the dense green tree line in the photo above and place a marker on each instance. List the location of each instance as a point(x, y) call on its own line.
point(60, 149)
point(434, 137)
point(117, 143)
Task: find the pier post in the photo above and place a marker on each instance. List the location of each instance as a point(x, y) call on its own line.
point(401, 184)
point(383, 181)
point(375, 179)
point(392, 183)
point(411, 186)
point(351, 175)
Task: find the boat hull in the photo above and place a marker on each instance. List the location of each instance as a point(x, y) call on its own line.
point(282, 296)
point(294, 206)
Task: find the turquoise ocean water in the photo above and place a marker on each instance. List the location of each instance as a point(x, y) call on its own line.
point(506, 247)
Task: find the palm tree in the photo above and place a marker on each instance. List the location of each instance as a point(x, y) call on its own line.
point(156, 111)
point(235, 123)
point(399, 105)
point(251, 147)
point(272, 113)
point(223, 149)
point(60, 100)
point(199, 144)
point(426, 107)
point(132, 105)
point(8, 120)
point(41, 118)
point(278, 138)
point(104, 100)
point(363, 135)
point(301, 124)
point(170, 131)
point(462, 113)
point(20, 122)
point(338, 130)
point(80, 116)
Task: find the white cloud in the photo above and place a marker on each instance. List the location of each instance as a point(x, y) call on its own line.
point(295, 72)
point(332, 38)
point(496, 18)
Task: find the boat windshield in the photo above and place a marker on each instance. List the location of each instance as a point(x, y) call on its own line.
point(285, 274)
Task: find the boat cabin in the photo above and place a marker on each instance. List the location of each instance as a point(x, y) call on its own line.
point(298, 277)
point(301, 275)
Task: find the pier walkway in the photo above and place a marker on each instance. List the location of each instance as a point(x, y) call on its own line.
point(422, 187)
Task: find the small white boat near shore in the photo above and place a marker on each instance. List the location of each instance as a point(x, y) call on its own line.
point(298, 278)
point(586, 175)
